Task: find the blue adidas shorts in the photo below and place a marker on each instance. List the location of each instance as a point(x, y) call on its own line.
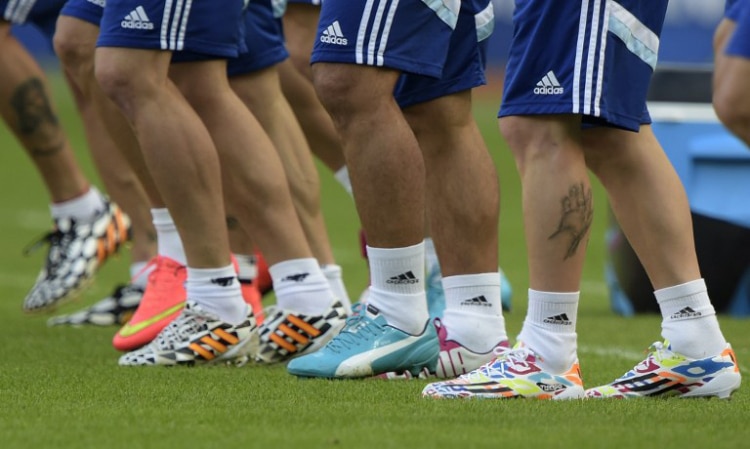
point(307, 2)
point(589, 57)
point(732, 9)
point(40, 13)
point(406, 35)
point(739, 43)
point(206, 27)
point(264, 40)
point(90, 11)
point(465, 63)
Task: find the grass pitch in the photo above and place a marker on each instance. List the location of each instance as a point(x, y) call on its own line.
point(61, 387)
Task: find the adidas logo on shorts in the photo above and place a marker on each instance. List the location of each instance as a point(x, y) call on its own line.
point(333, 35)
point(548, 85)
point(137, 20)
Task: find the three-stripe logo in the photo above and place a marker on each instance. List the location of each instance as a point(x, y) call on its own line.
point(548, 85)
point(137, 20)
point(333, 35)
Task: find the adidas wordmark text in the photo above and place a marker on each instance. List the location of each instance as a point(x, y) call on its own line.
point(334, 35)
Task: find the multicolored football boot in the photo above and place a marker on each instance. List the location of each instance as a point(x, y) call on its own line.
point(77, 249)
point(515, 373)
point(366, 347)
point(117, 308)
point(453, 359)
point(254, 298)
point(286, 334)
point(666, 373)
point(162, 301)
point(263, 279)
point(197, 337)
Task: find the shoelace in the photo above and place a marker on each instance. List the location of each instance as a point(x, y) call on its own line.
point(658, 351)
point(188, 323)
point(513, 357)
point(163, 276)
point(358, 329)
point(59, 244)
point(126, 289)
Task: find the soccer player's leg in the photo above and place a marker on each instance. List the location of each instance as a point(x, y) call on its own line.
point(88, 228)
point(132, 65)
point(76, 32)
point(393, 333)
point(439, 111)
point(663, 238)
point(253, 177)
point(254, 78)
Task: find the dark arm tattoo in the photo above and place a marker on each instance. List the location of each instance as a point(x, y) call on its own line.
point(577, 215)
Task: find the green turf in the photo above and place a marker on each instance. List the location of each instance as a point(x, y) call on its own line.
point(62, 388)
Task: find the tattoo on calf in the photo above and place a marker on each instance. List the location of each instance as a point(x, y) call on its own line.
point(232, 223)
point(35, 117)
point(32, 106)
point(577, 215)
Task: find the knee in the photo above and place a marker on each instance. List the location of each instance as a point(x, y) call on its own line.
point(119, 84)
point(75, 54)
point(732, 109)
point(335, 90)
point(545, 138)
point(519, 136)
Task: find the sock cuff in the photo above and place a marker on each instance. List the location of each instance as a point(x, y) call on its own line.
point(206, 274)
point(681, 290)
point(247, 265)
point(342, 176)
point(396, 253)
point(331, 270)
point(293, 266)
point(161, 216)
point(554, 297)
point(82, 207)
point(472, 280)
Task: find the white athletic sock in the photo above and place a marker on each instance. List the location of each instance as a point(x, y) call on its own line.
point(139, 272)
point(397, 287)
point(217, 290)
point(430, 255)
point(550, 329)
point(335, 280)
point(473, 311)
point(300, 286)
point(84, 207)
point(247, 267)
point(689, 320)
point(342, 176)
point(168, 240)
